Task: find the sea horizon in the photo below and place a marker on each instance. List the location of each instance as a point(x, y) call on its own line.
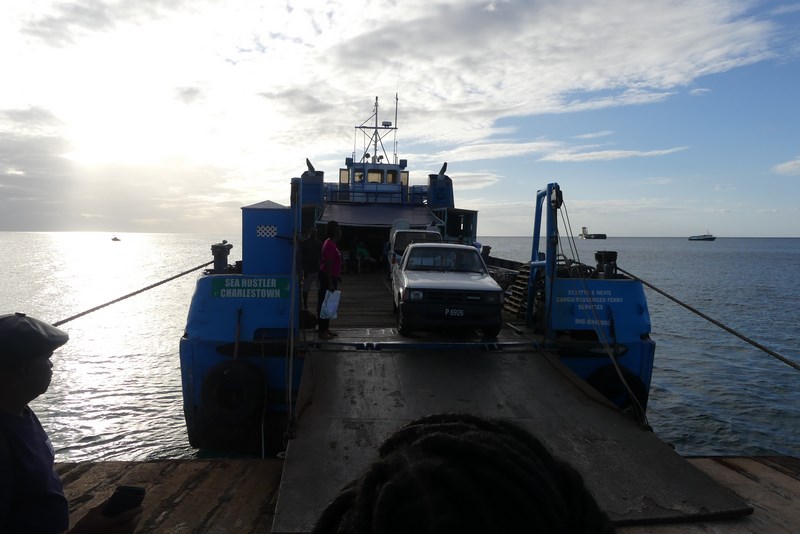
point(608, 236)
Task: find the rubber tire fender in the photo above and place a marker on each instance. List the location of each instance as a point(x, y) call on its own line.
point(606, 381)
point(233, 393)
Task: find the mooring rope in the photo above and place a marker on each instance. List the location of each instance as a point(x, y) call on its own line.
point(151, 286)
point(728, 329)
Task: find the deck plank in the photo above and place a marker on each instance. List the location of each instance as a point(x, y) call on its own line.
point(774, 503)
point(214, 495)
point(242, 493)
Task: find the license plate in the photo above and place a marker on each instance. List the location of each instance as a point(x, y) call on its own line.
point(453, 312)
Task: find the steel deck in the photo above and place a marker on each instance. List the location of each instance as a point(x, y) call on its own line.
point(353, 396)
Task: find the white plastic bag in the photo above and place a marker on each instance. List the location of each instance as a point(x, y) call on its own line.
point(330, 305)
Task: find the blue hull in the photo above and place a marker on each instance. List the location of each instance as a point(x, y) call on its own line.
point(235, 363)
point(603, 316)
point(593, 317)
point(240, 369)
point(236, 404)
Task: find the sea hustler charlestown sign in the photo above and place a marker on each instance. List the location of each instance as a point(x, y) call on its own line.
point(239, 287)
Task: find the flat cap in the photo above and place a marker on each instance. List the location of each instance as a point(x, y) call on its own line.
point(23, 338)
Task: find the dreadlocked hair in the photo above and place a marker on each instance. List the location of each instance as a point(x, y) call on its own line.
point(459, 473)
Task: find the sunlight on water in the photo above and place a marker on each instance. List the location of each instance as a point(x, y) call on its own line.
point(116, 390)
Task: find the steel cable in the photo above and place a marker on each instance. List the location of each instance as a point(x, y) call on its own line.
point(151, 286)
point(728, 329)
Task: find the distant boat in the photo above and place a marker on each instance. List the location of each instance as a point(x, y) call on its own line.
point(586, 235)
point(115, 238)
point(703, 237)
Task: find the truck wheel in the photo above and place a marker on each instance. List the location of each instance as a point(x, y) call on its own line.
point(491, 331)
point(402, 326)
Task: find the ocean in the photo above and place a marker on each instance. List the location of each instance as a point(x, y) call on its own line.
point(116, 390)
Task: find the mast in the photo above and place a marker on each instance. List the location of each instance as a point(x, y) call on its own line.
point(396, 101)
point(372, 130)
point(375, 149)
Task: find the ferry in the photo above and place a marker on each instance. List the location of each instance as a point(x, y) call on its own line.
point(572, 363)
point(702, 237)
point(243, 323)
point(242, 356)
point(586, 235)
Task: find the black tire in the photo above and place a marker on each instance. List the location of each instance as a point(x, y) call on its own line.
point(402, 325)
point(606, 381)
point(233, 393)
point(491, 331)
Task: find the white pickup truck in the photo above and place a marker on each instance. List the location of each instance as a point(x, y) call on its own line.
point(445, 285)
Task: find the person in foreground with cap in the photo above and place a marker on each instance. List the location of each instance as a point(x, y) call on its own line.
point(31, 494)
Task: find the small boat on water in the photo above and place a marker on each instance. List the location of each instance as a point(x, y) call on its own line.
point(241, 355)
point(586, 235)
point(702, 237)
point(115, 238)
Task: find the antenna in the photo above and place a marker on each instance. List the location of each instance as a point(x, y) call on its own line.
point(373, 133)
point(396, 100)
point(376, 127)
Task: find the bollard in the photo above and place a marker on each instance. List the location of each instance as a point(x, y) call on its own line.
point(220, 252)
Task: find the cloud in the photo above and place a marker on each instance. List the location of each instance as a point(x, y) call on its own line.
point(484, 151)
point(69, 20)
point(298, 100)
point(789, 168)
point(700, 91)
point(658, 181)
point(189, 95)
point(606, 155)
point(464, 181)
point(64, 23)
point(594, 135)
point(153, 100)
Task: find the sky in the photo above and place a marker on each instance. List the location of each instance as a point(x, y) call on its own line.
point(657, 118)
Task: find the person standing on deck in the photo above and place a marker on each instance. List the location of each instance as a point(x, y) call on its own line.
point(310, 254)
point(31, 494)
point(330, 271)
